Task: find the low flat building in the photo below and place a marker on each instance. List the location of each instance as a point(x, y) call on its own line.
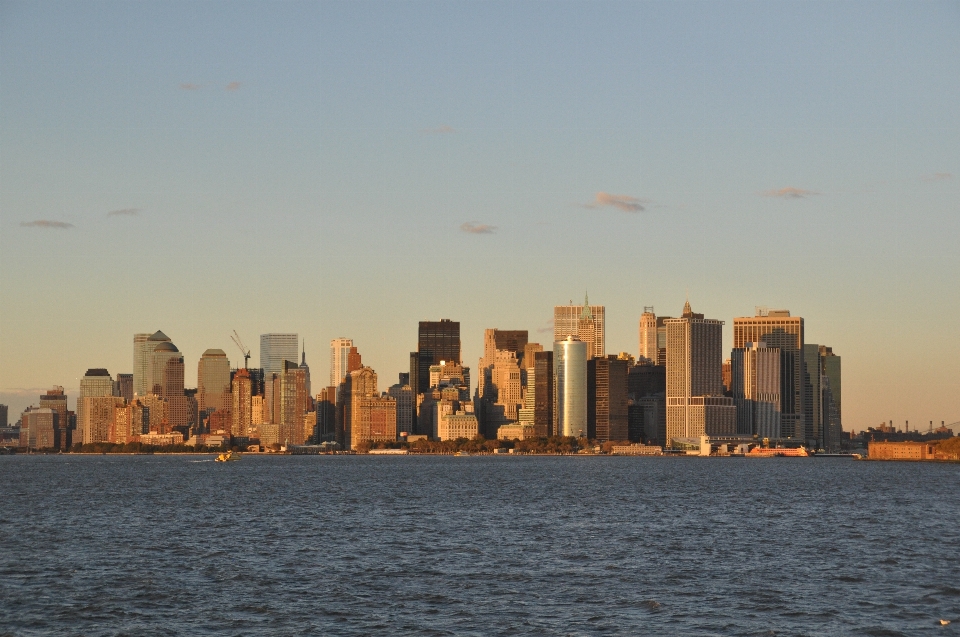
point(161, 440)
point(637, 450)
point(517, 431)
point(901, 451)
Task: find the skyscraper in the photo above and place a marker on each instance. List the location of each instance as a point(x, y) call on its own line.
point(583, 322)
point(294, 402)
point(95, 406)
point(436, 341)
point(648, 336)
point(544, 397)
point(778, 329)
point(143, 369)
point(339, 348)
point(162, 352)
point(141, 362)
point(56, 400)
point(241, 413)
point(695, 401)
point(276, 348)
point(607, 398)
point(500, 383)
point(213, 381)
point(125, 386)
point(179, 415)
point(755, 382)
point(570, 385)
point(832, 417)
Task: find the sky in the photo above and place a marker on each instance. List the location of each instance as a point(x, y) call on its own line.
point(351, 168)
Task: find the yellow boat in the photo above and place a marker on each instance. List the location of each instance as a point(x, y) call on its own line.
point(229, 456)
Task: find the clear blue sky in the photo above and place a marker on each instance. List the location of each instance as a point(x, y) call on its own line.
point(310, 167)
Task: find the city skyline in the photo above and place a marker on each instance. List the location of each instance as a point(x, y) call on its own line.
point(797, 155)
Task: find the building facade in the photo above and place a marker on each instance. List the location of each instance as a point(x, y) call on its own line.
point(585, 323)
point(648, 336)
point(276, 348)
point(696, 405)
point(213, 380)
point(779, 330)
point(339, 349)
point(755, 383)
point(570, 387)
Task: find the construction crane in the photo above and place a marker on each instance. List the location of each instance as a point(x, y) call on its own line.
point(243, 350)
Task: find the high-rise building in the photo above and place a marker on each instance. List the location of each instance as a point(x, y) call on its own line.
point(294, 402)
point(544, 396)
point(813, 394)
point(436, 341)
point(583, 322)
point(146, 362)
point(607, 398)
point(327, 415)
point(662, 339)
point(124, 387)
point(162, 352)
point(242, 408)
point(830, 398)
point(648, 336)
point(93, 419)
point(500, 381)
point(647, 412)
point(778, 329)
point(213, 381)
point(56, 400)
point(4, 416)
point(570, 386)
point(142, 349)
point(404, 397)
point(755, 383)
point(172, 391)
point(276, 348)
point(38, 427)
point(696, 405)
point(339, 348)
point(366, 416)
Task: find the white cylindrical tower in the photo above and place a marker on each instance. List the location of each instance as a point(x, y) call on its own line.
point(570, 383)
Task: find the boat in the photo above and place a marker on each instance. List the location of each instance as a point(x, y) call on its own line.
point(229, 456)
point(776, 452)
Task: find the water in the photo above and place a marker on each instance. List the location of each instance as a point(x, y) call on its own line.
point(180, 545)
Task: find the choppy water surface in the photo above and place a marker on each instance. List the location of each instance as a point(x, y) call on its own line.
point(176, 545)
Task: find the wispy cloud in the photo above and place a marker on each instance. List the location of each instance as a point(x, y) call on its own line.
point(233, 86)
point(547, 328)
point(621, 202)
point(790, 193)
point(471, 227)
point(189, 86)
point(124, 212)
point(45, 223)
point(936, 177)
point(439, 130)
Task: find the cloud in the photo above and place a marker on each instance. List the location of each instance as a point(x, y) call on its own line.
point(477, 228)
point(936, 177)
point(790, 193)
point(439, 130)
point(622, 202)
point(547, 329)
point(44, 223)
point(189, 86)
point(124, 212)
point(233, 86)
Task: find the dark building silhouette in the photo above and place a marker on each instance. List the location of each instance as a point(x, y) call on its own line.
point(543, 396)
